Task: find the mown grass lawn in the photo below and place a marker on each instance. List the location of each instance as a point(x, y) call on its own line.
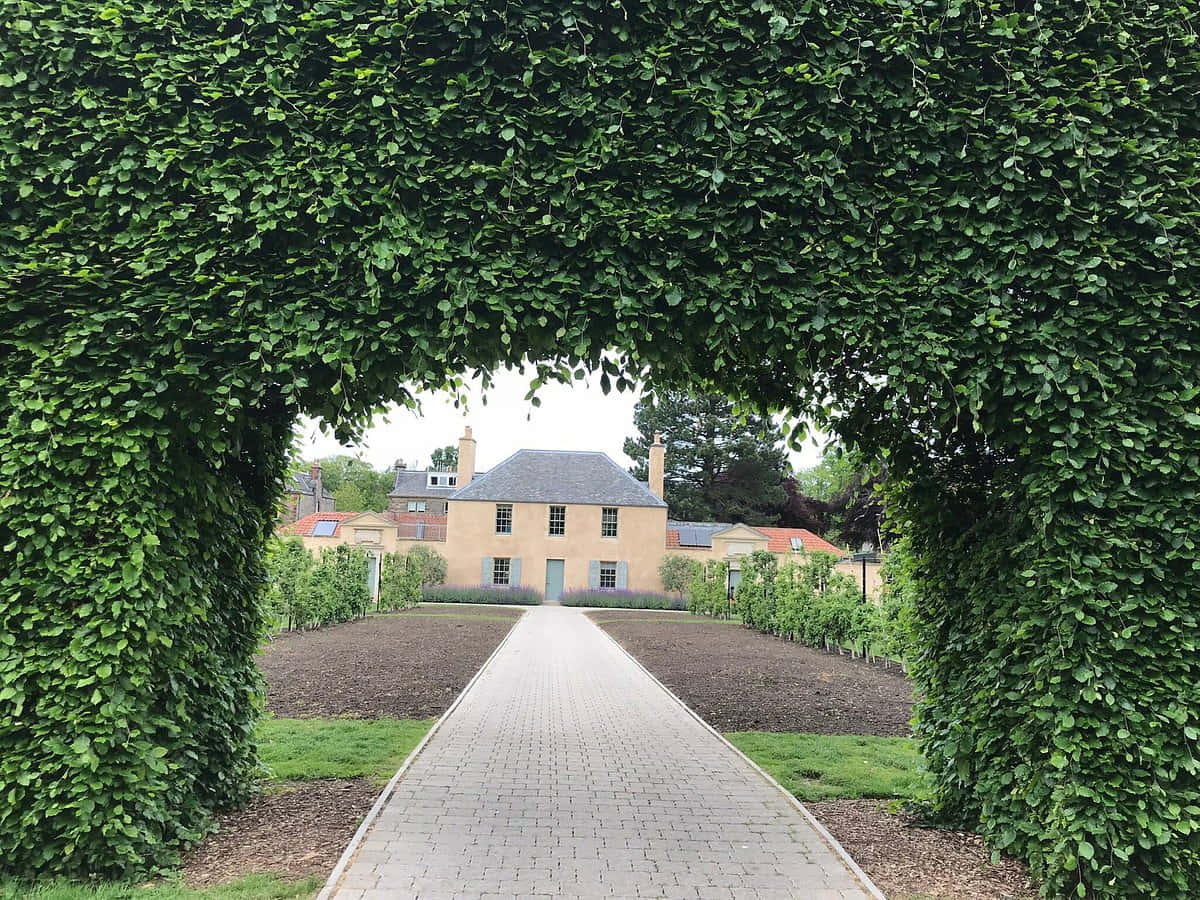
point(252, 887)
point(295, 749)
point(292, 750)
point(828, 767)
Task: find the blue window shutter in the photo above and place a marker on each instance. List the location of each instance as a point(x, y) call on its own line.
point(514, 572)
point(594, 574)
point(622, 575)
point(486, 576)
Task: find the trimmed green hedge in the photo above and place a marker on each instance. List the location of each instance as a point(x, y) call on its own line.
point(307, 593)
point(959, 234)
point(708, 590)
point(806, 600)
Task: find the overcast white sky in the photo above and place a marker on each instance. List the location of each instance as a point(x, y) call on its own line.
point(571, 417)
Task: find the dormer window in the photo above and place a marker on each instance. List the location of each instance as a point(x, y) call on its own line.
point(443, 479)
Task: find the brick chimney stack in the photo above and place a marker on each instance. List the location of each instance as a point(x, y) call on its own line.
point(318, 488)
point(466, 458)
point(658, 461)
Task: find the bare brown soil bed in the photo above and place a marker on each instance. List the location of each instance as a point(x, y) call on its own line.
point(405, 665)
point(742, 680)
point(297, 833)
point(908, 862)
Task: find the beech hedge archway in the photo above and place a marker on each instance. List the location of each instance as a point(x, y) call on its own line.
point(966, 231)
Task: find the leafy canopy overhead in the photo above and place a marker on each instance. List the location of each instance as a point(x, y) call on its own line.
point(961, 233)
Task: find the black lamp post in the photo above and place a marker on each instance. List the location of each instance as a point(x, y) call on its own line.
point(866, 556)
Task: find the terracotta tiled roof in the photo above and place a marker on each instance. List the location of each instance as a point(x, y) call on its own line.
point(304, 527)
point(779, 540)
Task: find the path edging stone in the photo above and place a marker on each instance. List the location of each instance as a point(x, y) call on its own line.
point(833, 843)
point(351, 850)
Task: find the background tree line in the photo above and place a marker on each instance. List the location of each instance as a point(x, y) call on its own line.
point(722, 467)
point(357, 486)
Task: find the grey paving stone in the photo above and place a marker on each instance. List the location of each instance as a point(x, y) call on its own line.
point(565, 771)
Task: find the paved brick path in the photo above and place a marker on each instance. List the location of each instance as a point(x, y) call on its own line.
point(567, 772)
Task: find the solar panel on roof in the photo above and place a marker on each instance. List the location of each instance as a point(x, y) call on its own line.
point(692, 536)
point(324, 528)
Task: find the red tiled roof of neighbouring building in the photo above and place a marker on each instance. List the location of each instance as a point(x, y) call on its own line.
point(304, 527)
point(779, 540)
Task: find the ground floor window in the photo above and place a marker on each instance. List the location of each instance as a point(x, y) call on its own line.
point(501, 567)
point(608, 575)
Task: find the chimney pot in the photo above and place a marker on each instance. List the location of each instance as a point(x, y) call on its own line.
point(315, 472)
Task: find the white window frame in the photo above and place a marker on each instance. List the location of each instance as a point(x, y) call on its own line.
point(608, 568)
point(605, 523)
point(501, 508)
point(442, 479)
point(502, 570)
point(562, 523)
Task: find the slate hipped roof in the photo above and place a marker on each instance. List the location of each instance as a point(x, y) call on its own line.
point(302, 483)
point(415, 483)
point(559, 476)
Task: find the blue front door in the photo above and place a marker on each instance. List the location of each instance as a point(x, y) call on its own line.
point(554, 580)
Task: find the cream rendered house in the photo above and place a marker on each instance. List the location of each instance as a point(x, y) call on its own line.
point(375, 533)
point(729, 542)
point(556, 520)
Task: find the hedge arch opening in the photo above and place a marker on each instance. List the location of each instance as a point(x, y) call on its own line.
point(962, 233)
